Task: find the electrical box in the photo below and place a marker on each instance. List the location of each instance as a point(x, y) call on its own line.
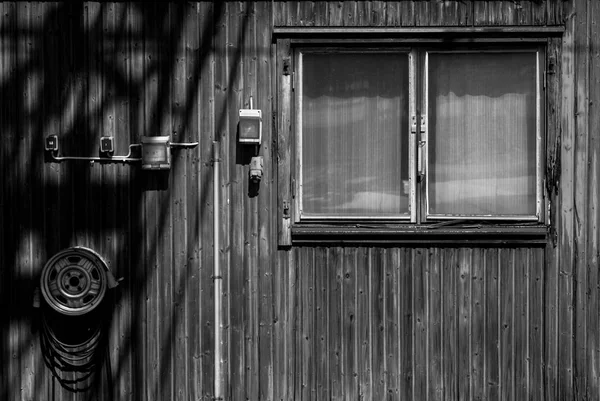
point(156, 153)
point(51, 144)
point(250, 126)
point(107, 144)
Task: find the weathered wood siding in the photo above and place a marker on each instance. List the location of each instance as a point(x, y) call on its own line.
point(305, 323)
point(389, 323)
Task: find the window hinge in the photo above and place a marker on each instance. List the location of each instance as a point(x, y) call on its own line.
point(287, 63)
point(286, 209)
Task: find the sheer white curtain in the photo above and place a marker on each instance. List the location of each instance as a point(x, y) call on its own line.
point(482, 133)
point(354, 134)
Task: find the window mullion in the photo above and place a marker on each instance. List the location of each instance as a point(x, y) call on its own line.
point(414, 121)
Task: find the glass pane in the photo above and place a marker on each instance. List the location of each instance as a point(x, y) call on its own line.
point(482, 134)
point(354, 134)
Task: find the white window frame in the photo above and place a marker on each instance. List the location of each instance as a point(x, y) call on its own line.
point(540, 130)
point(298, 90)
point(418, 155)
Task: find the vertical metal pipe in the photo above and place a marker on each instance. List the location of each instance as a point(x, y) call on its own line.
point(218, 280)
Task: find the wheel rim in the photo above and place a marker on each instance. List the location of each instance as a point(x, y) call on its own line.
point(73, 281)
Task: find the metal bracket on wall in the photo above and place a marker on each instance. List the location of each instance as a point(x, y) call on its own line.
point(108, 159)
point(51, 146)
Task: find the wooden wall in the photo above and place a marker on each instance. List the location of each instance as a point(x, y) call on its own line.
point(377, 322)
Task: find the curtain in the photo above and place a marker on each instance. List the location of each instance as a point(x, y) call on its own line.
point(354, 138)
point(482, 134)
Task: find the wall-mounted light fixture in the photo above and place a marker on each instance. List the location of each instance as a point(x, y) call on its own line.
point(156, 153)
point(250, 126)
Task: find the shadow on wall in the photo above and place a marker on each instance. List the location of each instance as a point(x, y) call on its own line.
point(81, 71)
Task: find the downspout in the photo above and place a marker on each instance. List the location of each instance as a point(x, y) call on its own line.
point(218, 280)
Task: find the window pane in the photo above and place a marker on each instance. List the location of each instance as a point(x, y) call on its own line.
point(482, 134)
point(354, 134)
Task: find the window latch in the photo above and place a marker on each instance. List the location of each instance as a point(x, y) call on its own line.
point(419, 129)
point(413, 125)
point(421, 170)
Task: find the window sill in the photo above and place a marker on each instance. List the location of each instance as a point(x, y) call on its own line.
point(472, 234)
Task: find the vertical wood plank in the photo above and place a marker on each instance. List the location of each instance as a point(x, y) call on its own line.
point(426, 13)
point(349, 324)
point(295, 350)
point(264, 204)
point(450, 323)
point(377, 323)
point(435, 330)
point(180, 19)
point(443, 13)
point(307, 340)
point(249, 204)
point(152, 221)
point(492, 325)
point(13, 144)
point(278, 13)
point(392, 322)
point(554, 12)
point(593, 214)
point(307, 13)
point(284, 142)
point(464, 318)
point(200, 72)
point(566, 218)
point(5, 201)
point(221, 134)
point(364, 324)
point(349, 13)
point(161, 109)
point(507, 324)
point(137, 235)
point(293, 12)
point(506, 12)
point(581, 195)
point(123, 336)
point(23, 342)
point(554, 94)
point(539, 14)
point(336, 279)
point(336, 13)
point(392, 13)
point(522, 323)
point(536, 322)
point(113, 189)
point(321, 13)
point(363, 13)
point(237, 20)
point(377, 15)
point(321, 326)
point(405, 324)
point(419, 312)
point(478, 320)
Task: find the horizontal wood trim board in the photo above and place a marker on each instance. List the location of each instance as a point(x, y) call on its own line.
point(481, 235)
point(527, 31)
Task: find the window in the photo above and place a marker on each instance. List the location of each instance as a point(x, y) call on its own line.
point(473, 154)
point(484, 130)
point(353, 134)
point(412, 136)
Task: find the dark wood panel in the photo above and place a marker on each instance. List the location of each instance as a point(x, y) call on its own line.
point(509, 13)
point(445, 311)
point(406, 323)
point(593, 213)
